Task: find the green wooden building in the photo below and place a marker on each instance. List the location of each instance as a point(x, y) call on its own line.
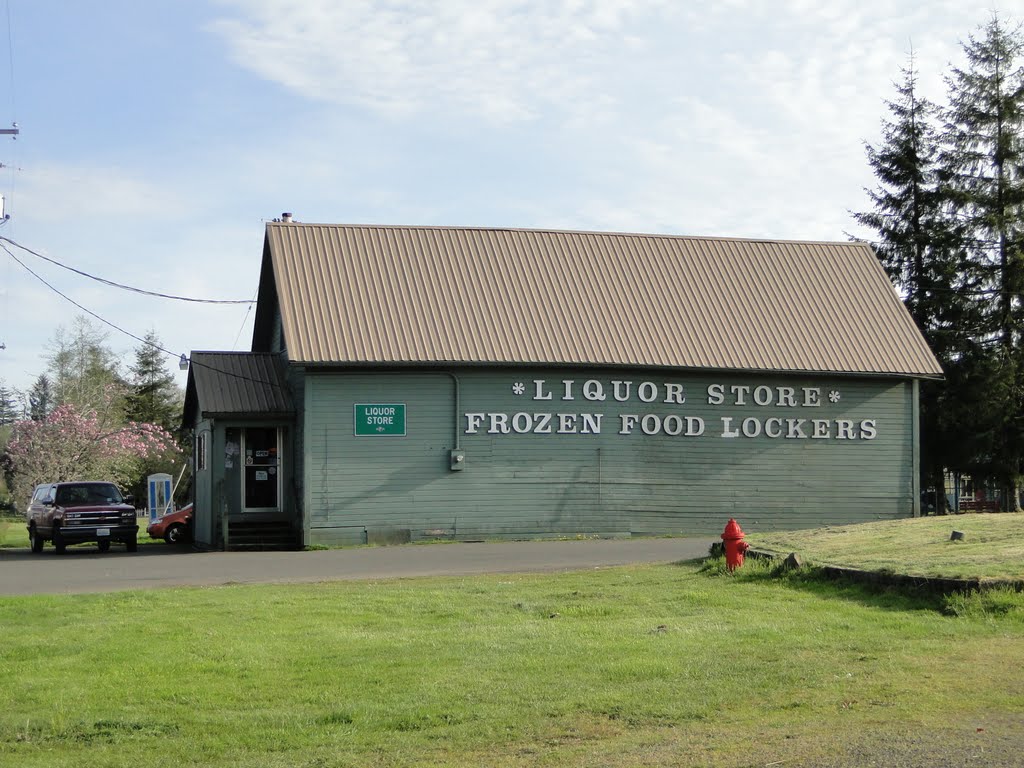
point(416, 382)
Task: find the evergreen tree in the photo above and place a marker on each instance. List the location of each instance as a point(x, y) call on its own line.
point(40, 399)
point(907, 210)
point(919, 250)
point(9, 411)
point(153, 396)
point(983, 167)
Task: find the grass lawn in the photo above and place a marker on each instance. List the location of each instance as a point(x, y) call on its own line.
point(13, 534)
point(655, 665)
point(993, 546)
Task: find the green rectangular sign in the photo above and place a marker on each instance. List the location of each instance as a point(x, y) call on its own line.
point(380, 419)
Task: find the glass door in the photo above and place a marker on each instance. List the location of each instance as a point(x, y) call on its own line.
point(262, 468)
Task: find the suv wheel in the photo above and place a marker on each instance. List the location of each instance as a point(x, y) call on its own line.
point(58, 541)
point(132, 545)
point(36, 540)
point(103, 546)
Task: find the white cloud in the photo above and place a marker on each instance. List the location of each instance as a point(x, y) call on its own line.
point(123, 227)
point(503, 60)
point(62, 193)
point(741, 118)
point(772, 147)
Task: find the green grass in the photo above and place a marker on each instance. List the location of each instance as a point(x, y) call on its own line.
point(13, 534)
point(992, 548)
point(655, 665)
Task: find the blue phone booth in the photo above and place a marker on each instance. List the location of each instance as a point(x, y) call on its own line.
point(160, 501)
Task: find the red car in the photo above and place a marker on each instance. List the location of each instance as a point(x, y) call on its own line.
point(175, 528)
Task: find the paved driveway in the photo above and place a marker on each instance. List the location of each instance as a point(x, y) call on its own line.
point(84, 569)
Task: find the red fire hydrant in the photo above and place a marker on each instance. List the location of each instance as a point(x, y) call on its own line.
point(735, 546)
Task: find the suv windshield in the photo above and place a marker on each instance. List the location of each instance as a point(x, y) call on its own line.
point(84, 494)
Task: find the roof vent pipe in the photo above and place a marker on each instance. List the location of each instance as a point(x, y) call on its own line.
point(286, 218)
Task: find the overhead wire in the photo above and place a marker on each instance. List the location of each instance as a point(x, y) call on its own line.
point(88, 311)
point(116, 327)
point(12, 167)
point(122, 286)
point(244, 319)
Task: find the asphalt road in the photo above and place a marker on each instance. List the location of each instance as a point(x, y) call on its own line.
point(84, 569)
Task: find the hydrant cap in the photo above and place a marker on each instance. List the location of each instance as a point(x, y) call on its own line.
point(732, 530)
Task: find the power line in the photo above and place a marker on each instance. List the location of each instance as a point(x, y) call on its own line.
point(113, 284)
point(84, 309)
point(244, 319)
point(132, 335)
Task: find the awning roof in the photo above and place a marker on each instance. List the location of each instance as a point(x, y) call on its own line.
point(222, 384)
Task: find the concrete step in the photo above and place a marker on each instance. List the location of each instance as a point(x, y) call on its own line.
point(263, 536)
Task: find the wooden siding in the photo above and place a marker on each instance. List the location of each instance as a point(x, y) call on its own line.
point(517, 485)
point(277, 333)
point(298, 448)
point(203, 483)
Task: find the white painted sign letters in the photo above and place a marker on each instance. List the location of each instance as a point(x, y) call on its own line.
point(791, 413)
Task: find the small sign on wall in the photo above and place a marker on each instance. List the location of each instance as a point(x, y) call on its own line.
point(379, 419)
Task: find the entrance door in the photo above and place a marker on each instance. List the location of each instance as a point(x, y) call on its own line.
point(261, 486)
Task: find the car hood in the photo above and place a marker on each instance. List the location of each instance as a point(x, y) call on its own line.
point(101, 508)
point(180, 516)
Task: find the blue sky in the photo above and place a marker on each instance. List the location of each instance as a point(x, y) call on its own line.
point(157, 137)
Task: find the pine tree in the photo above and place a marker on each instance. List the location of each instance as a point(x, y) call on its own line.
point(983, 168)
point(40, 399)
point(919, 250)
point(907, 210)
point(9, 412)
point(153, 397)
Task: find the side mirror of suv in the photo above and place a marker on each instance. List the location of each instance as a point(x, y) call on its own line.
point(47, 502)
point(129, 499)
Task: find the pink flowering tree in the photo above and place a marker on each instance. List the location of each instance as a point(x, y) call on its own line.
point(71, 445)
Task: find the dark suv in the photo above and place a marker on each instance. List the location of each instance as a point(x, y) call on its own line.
point(75, 512)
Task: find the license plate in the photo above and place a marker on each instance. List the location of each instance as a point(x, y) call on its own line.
point(102, 531)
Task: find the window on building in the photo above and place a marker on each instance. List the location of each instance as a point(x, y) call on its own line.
point(201, 451)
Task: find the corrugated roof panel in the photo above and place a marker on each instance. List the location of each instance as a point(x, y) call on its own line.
point(382, 294)
point(239, 382)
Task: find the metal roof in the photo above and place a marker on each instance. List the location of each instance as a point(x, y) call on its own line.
point(416, 295)
point(234, 384)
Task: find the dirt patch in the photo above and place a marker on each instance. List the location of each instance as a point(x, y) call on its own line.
point(996, 743)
